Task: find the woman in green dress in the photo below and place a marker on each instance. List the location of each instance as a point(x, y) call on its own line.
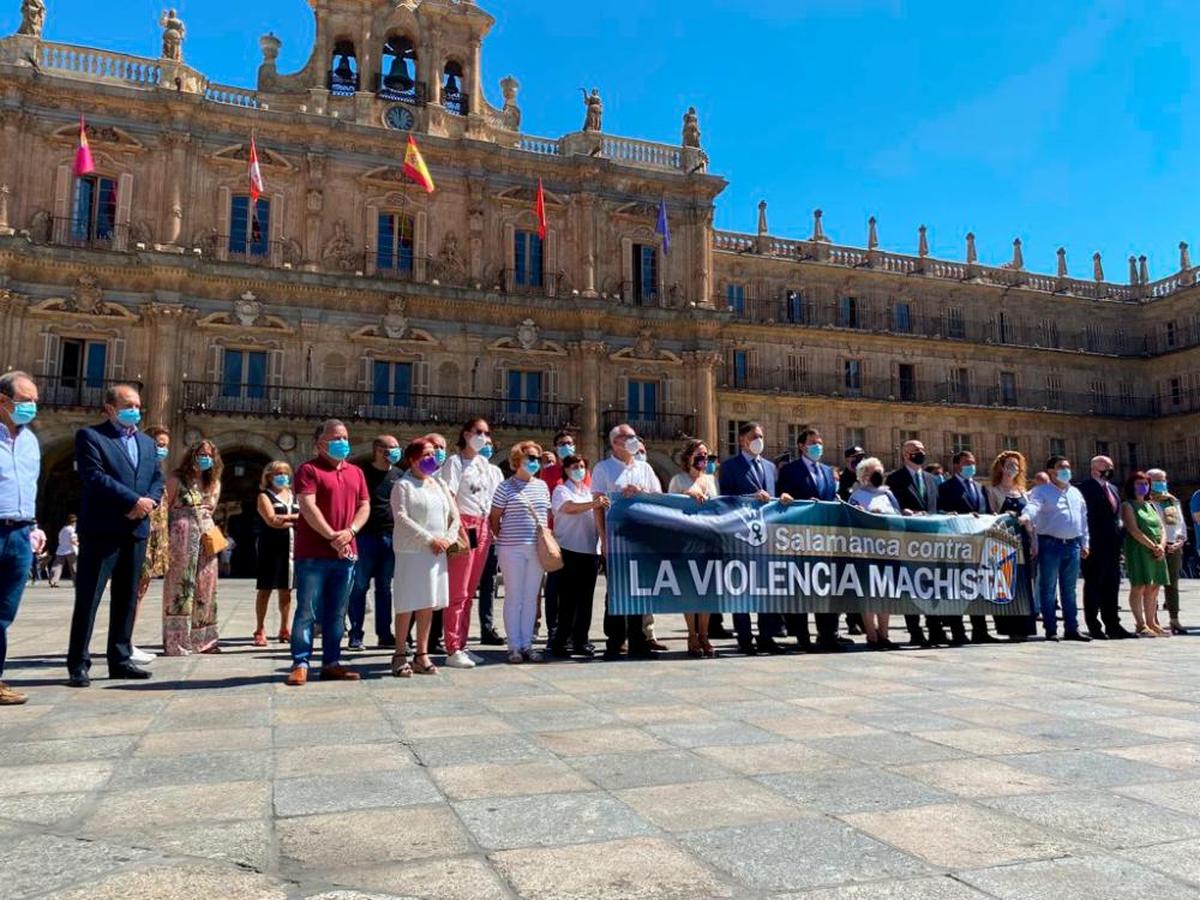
point(1145, 555)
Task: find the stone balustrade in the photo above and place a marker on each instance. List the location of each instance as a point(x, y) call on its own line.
point(642, 153)
point(232, 96)
point(101, 65)
point(540, 145)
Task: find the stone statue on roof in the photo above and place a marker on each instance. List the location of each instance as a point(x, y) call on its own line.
point(172, 38)
point(595, 110)
point(33, 17)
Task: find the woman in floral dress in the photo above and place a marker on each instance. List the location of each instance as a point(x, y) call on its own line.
point(155, 563)
point(190, 588)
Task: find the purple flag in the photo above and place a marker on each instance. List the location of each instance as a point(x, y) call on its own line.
point(664, 227)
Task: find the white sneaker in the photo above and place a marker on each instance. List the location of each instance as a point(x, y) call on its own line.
point(459, 660)
point(475, 658)
point(141, 657)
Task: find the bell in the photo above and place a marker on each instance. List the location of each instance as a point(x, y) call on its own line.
point(397, 77)
point(451, 83)
point(342, 71)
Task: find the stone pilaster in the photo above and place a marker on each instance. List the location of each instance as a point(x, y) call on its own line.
point(167, 324)
point(592, 355)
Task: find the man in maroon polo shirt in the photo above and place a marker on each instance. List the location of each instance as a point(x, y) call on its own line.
point(334, 506)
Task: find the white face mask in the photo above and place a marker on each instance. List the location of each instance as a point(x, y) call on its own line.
point(478, 442)
point(631, 445)
point(757, 446)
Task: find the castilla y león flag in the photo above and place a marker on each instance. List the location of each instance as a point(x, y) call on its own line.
point(83, 155)
point(256, 179)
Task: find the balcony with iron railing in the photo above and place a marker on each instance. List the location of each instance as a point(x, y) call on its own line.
point(202, 398)
point(900, 390)
point(75, 392)
point(401, 90)
point(70, 232)
point(652, 426)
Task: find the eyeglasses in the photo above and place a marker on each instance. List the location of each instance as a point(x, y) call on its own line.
point(536, 459)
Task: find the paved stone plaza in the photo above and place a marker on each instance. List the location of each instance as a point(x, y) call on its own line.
point(1064, 771)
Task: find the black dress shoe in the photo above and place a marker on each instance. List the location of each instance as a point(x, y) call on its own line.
point(719, 633)
point(1119, 634)
point(490, 638)
point(771, 647)
point(1017, 638)
point(642, 653)
point(938, 638)
point(830, 646)
point(845, 641)
point(1076, 636)
point(803, 646)
point(1097, 635)
point(747, 648)
point(130, 672)
point(79, 679)
point(587, 651)
point(917, 639)
point(1052, 637)
point(611, 655)
point(984, 638)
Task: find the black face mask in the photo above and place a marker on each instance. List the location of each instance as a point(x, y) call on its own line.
point(876, 479)
point(1107, 474)
point(918, 459)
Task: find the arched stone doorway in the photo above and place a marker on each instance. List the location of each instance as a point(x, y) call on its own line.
point(237, 513)
point(58, 489)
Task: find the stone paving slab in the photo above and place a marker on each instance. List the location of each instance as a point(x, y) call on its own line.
point(1023, 771)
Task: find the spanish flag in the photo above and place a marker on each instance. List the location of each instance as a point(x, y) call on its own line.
point(415, 168)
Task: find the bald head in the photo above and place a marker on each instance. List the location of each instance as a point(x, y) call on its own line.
point(1102, 467)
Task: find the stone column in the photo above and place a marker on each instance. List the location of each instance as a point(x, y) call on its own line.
point(476, 87)
point(705, 269)
point(176, 144)
point(587, 244)
point(591, 353)
point(705, 363)
point(166, 325)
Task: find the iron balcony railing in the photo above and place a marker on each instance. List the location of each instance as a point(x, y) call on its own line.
point(826, 384)
point(401, 90)
point(72, 232)
point(302, 402)
point(656, 426)
point(75, 392)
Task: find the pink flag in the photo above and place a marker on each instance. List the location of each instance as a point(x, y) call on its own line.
point(83, 156)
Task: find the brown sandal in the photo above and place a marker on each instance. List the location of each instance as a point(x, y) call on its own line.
point(400, 666)
point(427, 669)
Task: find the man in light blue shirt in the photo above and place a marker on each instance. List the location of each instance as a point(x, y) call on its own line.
point(1056, 518)
point(20, 465)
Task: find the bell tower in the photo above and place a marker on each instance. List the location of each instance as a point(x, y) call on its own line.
point(409, 64)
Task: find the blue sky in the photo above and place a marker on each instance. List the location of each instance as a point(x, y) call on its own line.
point(1065, 123)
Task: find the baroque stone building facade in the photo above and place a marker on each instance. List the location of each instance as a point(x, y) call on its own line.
point(347, 291)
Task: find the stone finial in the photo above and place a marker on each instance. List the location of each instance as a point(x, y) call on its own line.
point(691, 128)
point(872, 234)
point(972, 255)
point(762, 218)
point(1018, 260)
point(172, 36)
point(270, 45)
point(1185, 258)
point(1062, 262)
point(508, 88)
point(1143, 270)
point(1097, 266)
point(1133, 273)
point(922, 242)
point(818, 232)
point(33, 17)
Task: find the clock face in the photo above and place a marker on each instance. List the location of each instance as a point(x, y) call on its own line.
point(399, 117)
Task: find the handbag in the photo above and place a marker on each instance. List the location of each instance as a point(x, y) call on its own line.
point(463, 544)
point(549, 554)
point(213, 541)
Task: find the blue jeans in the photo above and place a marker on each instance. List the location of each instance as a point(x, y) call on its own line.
point(375, 561)
point(16, 557)
point(322, 591)
point(1058, 567)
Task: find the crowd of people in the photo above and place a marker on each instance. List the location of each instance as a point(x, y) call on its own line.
point(427, 529)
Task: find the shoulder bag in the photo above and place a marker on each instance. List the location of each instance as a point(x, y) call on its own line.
point(548, 552)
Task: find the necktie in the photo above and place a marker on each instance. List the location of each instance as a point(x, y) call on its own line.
point(920, 483)
point(973, 494)
point(758, 473)
point(1112, 496)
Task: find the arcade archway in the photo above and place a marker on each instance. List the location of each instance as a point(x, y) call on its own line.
point(58, 489)
point(237, 514)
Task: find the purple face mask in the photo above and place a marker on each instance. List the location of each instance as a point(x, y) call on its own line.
point(1141, 489)
point(428, 465)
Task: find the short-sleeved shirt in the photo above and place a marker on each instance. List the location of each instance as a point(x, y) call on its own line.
point(339, 492)
point(517, 527)
point(66, 541)
point(379, 487)
point(472, 482)
point(576, 532)
point(611, 475)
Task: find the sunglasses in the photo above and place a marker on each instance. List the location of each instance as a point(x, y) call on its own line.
point(699, 460)
point(536, 459)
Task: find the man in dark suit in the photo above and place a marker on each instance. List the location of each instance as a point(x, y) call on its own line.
point(748, 474)
point(122, 483)
point(807, 478)
point(849, 475)
point(1102, 568)
point(960, 494)
point(916, 492)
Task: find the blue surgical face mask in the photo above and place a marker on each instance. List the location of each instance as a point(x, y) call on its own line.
point(1159, 487)
point(939, 479)
point(968, 472)
point(711, 468)
point(281, 481)
point(1063, 475)
point(815, 451)
point(204, 463)
point(487, 452)
point(339, 449)
point(394, 454)
point(533, 466)
point(440, 455)
point(577, 475)
point(162, 452)
point(130, 417)
point(24, 412)
point(565, 450)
